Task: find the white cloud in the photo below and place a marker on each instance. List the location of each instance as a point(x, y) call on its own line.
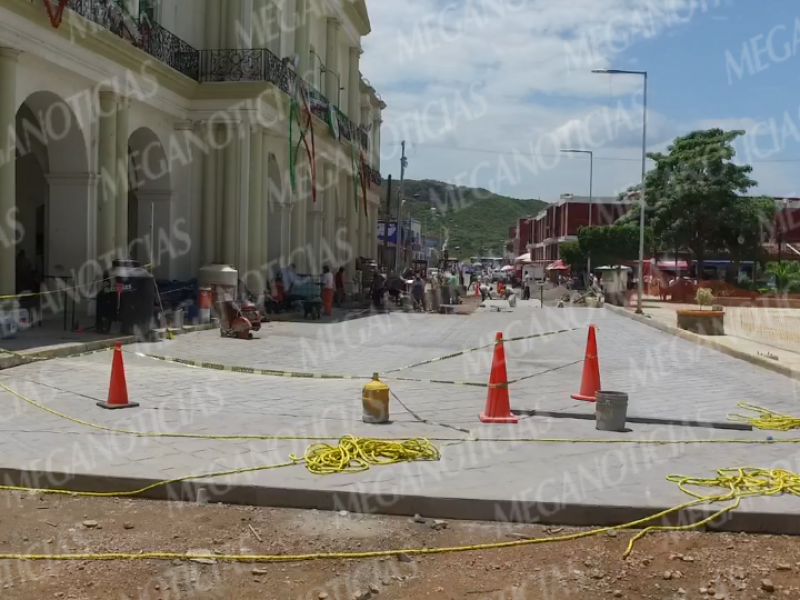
point(513, 76)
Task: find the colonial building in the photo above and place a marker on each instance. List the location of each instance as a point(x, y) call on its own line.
point(186, 132)
point(560, 221)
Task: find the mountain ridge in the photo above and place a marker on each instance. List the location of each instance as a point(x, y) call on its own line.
point(476, 220)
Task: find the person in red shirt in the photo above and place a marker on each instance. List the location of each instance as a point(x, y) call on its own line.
point(339, 284)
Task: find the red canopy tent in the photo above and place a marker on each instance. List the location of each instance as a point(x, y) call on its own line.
point(557, 266)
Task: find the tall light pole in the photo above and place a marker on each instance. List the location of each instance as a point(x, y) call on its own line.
point(591, 178)
point(640, 290)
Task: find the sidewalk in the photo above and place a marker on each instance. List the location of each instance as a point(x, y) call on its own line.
point(662, 316)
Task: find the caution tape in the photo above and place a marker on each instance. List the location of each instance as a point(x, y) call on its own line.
point(477, 348)
point(214, 366)
point(472, 438)
point(197, 364)
point(60, 290)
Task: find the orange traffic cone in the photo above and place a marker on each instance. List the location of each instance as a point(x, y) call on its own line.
point(590, 382)
point(118, 388)
point(498, 403)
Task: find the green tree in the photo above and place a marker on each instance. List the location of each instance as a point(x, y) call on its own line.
point(695, 196)
point(787, 275)
point(572, 254)
point(607, 244)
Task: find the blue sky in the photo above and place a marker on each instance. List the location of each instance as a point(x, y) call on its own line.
point(485, 92)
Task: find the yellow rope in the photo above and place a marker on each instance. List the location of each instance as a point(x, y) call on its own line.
point(734, 483)
point(353, 455)
point(766, 420)
point(475, 439)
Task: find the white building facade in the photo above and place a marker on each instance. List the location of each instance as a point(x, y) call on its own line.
point(185, 133)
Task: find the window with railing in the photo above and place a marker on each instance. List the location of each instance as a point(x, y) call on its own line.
point(148, 8)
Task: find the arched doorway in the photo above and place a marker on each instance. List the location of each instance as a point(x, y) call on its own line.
point(151, 235)
point(55, 233)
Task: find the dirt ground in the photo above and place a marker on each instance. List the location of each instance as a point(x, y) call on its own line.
point(686, 565)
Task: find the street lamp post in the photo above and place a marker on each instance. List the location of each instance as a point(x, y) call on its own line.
point(591, 178)
point(640, 290)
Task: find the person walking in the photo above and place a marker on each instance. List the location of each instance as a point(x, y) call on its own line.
point(526, 291)
point(339, 285)
point(455, 291)
point(327, 291)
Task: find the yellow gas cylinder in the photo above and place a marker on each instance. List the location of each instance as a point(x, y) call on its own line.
point(375, 398)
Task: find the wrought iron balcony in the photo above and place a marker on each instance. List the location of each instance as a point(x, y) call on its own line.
point(373, 177)
point(363, 137)
point(105, 13)
point(245, 65)
point(167, 47)
point(158, 42)
point(345, 126)
point(318, 103)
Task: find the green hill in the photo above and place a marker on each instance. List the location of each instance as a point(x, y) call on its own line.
point(477, 220)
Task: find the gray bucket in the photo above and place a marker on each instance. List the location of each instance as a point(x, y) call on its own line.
point(611, 410)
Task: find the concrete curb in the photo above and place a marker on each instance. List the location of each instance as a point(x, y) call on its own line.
point(16, 359)
point(709, 342)
point(477, 509)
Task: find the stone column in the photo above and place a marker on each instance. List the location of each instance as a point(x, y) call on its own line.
point(314, 239)
point(374, 230)
point(213, 24)
point(231, 13)
point(222, 137)
point(261, 24)
point(107, 198)
point(121, 216)
point(255, 257)
point(245, 27)
point(230, 202)
point(208, 239)
point(284, 213)
point(132, 7)
point(342, 258)
point(329, 218)
point(333, 79)
point(354, 87)
point(243, 194)
point(265, 214)
point(302, 38)
point(8, 185)
point(376, 143)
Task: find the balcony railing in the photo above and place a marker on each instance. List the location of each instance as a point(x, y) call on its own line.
point(363, 137)
point(158, 42)
point(245, 65)
point(345, 126)
point(167, 47)
point(373, 176)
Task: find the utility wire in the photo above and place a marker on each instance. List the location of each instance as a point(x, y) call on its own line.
point(608, 158)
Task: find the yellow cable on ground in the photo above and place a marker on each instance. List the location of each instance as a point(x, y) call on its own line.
point(766, 420)
point(323, 438)
point(351, 455)
point(735, 483)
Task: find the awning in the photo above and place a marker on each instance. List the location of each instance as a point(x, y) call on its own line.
point(669, 265)
point(557, 266)
point(523, 258)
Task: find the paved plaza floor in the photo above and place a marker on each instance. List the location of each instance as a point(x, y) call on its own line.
point(573, 474)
